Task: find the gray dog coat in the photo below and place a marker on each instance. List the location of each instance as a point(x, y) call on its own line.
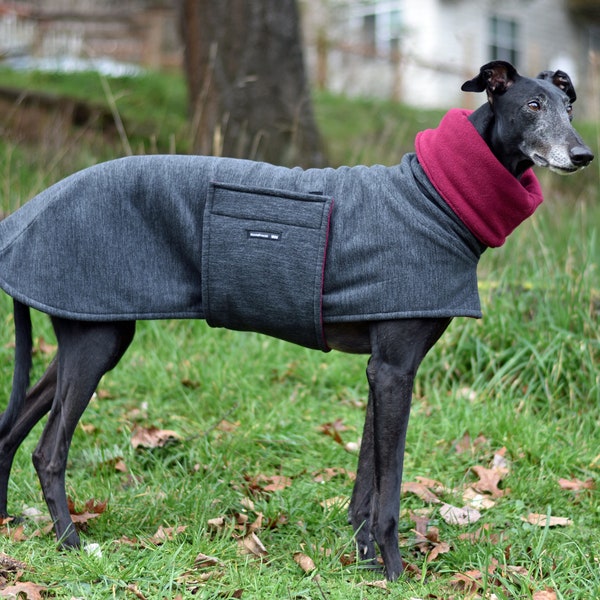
point(252, 246)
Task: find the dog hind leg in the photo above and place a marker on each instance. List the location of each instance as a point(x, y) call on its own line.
point(86, 351)
point(37, 404)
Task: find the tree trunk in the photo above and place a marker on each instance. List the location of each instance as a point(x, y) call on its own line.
point(248, 92)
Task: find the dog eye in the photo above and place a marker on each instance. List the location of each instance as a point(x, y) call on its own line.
point(534, 105)
point(569, 110)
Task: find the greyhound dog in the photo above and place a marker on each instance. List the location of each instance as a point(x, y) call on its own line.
point(473, 173)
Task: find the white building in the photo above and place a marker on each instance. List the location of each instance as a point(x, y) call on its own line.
point(420, 51)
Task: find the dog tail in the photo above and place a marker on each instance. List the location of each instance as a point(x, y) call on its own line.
point(23, 352)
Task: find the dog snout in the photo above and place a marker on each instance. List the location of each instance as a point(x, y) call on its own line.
point(581, 156)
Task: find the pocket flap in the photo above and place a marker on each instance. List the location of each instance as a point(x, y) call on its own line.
point(263, 261)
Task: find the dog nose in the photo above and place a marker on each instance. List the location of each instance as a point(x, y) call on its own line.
point(581, 156)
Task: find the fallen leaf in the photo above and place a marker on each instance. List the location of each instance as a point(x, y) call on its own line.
point(380, 584)
point(8, 564)
point(251, 544)
point(335, 502)
point(547, 594)
point(576, 485)
point(489, 480)
point(466, 444)
point(459, 516)
point(92, 510)
point(217, 524)
point(469, 582)
point(333, 429)
point(477, 500)
point(420, 490)
point(120, 466)
point(439, 548)
point(30, 591)
point(305, 562)
point(164, 534)
point(500, 461)
point(227, 426)
point(203, 561)
point(421, 522)
point(152, 437)
point(135, 591)
point(266, 484)
point(45, 348)
point(543, 521)
point(329, 473)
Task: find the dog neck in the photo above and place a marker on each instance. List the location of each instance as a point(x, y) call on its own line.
point(487, 198)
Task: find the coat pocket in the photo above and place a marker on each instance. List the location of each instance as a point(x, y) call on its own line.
point(263, 261)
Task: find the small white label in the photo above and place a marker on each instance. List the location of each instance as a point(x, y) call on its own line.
point(264, 235)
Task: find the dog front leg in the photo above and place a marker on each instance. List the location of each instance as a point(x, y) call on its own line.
point(392, 393)
point(359, 511)
point(397, 347)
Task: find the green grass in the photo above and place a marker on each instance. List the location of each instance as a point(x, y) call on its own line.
point(525, 378)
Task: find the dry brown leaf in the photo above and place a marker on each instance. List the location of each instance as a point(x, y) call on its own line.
point(379, 584)
point(420, 490)
point(477, 500)
point(135, 591)
point(251, 544)
point(120, 466)
point(500, 461)
point(469, 582)
point(459, 516)
point(305, 562)
point(204, 561)
point(547, 594)
point(439, 548)
point(542, 520)
point(164, 534)
point(15, 533)
point(266, 484)
point(576, 485)
point(152, 437)
point(92, 510)
point(46, 348)
point(466, 444)
point(333, 429)
point(25, 589)
point(329, 473)
point(421, 522)
point(227, 426)
point(433, 484)
point(217, 524)
point(8, 564)
point(335, 502)
point(489, 480)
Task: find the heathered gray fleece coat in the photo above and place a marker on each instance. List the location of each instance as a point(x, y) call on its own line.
point(245, 245)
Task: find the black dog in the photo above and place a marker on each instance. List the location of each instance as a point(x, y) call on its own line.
point(472, 175)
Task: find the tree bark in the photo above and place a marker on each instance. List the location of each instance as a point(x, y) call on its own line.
point(248, 92)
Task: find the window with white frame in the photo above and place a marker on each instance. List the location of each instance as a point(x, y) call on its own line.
point(504, 39)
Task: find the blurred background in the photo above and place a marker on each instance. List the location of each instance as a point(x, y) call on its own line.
point(242, 78)
point(415, 52)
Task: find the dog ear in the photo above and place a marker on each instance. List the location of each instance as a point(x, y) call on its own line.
point(561, 80)
point(494, 77)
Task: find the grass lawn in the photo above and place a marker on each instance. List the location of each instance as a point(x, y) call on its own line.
point(239, 487)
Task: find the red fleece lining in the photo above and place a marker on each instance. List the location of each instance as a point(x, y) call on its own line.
point(488, 199)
